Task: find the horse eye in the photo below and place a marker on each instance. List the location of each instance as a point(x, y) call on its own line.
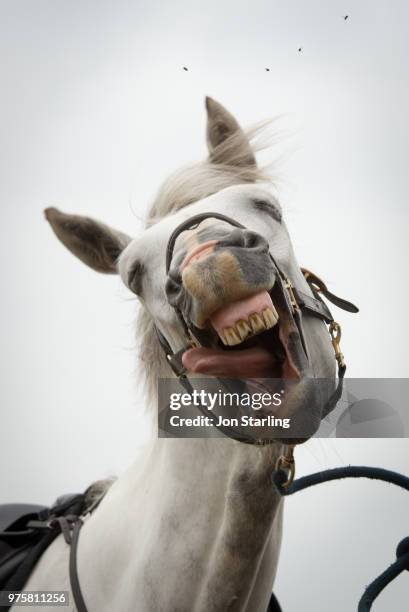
point(135, 277)
point(267, 207)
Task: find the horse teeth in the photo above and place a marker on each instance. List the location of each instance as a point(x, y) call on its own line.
point(257, 323)
point(270, 317)
point(232, 337)
point(223, 338)
point(243, 328)
point(275, 313)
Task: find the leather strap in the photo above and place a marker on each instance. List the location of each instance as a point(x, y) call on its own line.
point(70, 527)
point(74, 579)
point(313, 306)
point(192, 223)
point(174, 359)
point(318, 286)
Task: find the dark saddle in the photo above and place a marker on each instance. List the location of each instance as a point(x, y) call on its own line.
point(26, 530)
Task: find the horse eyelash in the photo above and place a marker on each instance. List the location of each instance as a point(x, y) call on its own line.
point(268, 208)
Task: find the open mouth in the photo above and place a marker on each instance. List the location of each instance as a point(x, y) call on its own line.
point(247, 340)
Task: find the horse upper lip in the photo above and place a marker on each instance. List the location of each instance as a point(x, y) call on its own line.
point(196, 251)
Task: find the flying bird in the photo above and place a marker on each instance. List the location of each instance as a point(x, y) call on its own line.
point(184, 68)
point(346, 17)
point(267, 69)
point(300, 49)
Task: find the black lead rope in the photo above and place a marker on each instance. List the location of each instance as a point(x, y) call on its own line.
point(280, 478)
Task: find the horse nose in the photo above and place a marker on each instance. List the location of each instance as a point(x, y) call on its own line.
point(244, 238)
point(224, 269)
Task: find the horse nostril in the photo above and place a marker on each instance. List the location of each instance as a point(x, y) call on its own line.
point(244, 239)
point(252, 240)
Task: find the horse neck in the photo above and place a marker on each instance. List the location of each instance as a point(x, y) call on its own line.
point(213, 501)
point(220, 467)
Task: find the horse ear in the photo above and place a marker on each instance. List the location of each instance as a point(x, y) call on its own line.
point(92, 242)
point(226, 141)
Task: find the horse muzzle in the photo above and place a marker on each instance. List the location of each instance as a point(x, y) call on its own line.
point(227, 289)
point(225, 283)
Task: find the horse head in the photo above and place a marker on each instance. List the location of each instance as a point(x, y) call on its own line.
point(214, 260)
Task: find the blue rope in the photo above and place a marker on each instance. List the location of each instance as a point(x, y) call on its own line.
point(350, 471)
point(280, 477)
point(392, 572)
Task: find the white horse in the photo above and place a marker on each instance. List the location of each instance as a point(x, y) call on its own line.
point(194, 524)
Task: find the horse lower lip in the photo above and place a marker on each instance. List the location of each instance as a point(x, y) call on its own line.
point(251, 362)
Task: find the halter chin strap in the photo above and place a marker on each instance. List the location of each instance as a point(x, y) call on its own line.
point(298, 302)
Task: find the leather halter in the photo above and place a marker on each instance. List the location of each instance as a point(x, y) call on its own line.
point(298, 302)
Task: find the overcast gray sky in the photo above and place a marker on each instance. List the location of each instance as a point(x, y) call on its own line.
point(96, 110)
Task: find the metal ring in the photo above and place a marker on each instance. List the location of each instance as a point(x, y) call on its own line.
point(287, 465)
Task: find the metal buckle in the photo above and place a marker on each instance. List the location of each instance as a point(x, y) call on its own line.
point(192, 340)
point(286, 462)
point(175, 362)
point(335, 333)
point(175, 359)
point(288, 286)
point(313, 280)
